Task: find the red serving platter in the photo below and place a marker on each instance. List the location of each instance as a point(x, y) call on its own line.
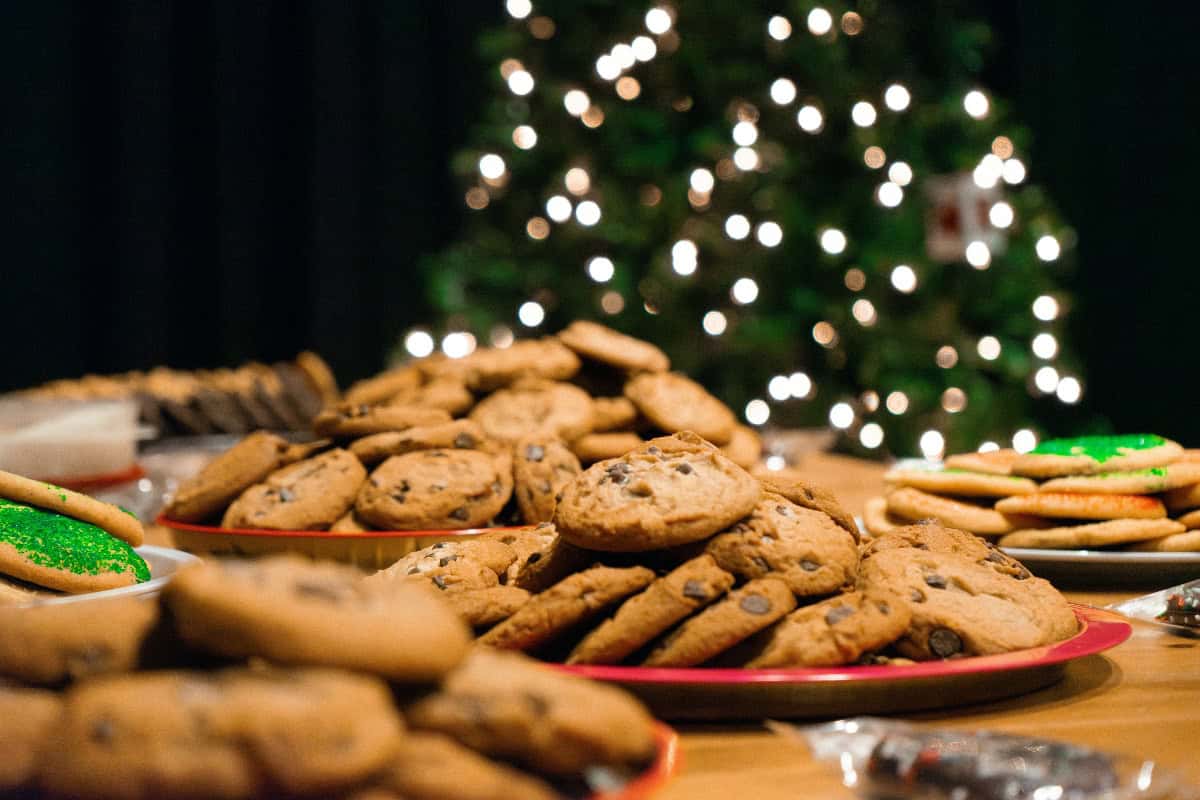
point(715, 693)
point(668, 761)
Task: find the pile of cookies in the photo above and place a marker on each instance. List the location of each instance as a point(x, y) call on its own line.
point(288, 678)
point(56, 540)
point(671, 555)
point(282, 396)
point(1086, 492)
point(445, 443)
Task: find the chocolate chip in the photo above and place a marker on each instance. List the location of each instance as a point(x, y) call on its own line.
point(496, 487)
point(93, 658)
point(535, 452)
point(996, 557)
point(318, 591)
point(447, 560)
point(761, 563)
point(103, 731)
point(437, 486)
point(439, 582)
point(413, 571)
point(405, 486)
point(836, 615)
point(921, 545)
point(653, 450)
point(755, 604)
point(884, 608)
point(286, 496)
point(944, 643)
point(557, 499)
point(464, 441)
point(809, 495)
point(374, 482)
point(809, 566)
point(684, 468)
point(537, 703)
point(766, 537)
point(1023, 574)
point(783, 511)
point(437, 546)
point(546, 488)
point(916, 595)
point(542, 526)
point(695, 590)
point(935, 581)
point(400, 497)
point(460, 513)
point(533, 558)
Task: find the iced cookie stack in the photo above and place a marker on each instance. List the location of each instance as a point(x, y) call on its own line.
point(1086, 492)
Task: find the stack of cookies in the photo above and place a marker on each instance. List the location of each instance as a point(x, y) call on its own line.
point(56, 540)
point(1087, 492)
point(673, 556)
point(287, 678)
point(445, 444)
point(282, 396)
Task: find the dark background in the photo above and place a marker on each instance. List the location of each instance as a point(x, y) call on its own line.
point(201, 183)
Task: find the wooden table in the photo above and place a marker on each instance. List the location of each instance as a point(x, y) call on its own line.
point(1142, 698)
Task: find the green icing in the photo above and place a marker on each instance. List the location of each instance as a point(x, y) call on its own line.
point(1150, 472)
point(1098, 448)
point(55, 541)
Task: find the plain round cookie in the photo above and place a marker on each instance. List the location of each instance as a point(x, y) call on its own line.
point(116, 521)
point(542, 466)
point(293, 611)
point(741, 614)
point(434, 489)
point(675, 402)
point(805, 549)
point(678, 594)
point(960, 482)
point(28, 719)
point(1191, 519)
point(1185, 542)
point(492, 368)
point(64, 553)
point(913, 504)
point(835, 631)
point(744, 447)
point(567, 603)
point(1183, 498)
point(447, 392)
point(961, 607)
point(593, 447)
point(461, 434)
point(993, 462)
point(876, 518)
point(50, 644)
point(612, 414)
point(1096, 534)
point(310, 495)
point(239, 733)
point(352, 420)
point(670, 491)
point(507, 706)
point(603, 344)
point(1151, 480)
point(248, 462)
point(1087, 455)
point(535, 407)
point(1075, 505)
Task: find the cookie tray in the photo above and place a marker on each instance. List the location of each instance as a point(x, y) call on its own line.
point(715, 693)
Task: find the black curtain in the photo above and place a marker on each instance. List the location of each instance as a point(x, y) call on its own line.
point(199, 183)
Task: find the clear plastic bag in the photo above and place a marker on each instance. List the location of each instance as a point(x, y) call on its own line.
point(1177, 607)
point(888, 759)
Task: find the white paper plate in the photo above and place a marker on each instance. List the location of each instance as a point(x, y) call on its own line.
point(1108, 567)
point(163, 562)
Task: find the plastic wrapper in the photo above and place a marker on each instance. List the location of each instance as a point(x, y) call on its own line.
point(887, 759)
point(1177, 607)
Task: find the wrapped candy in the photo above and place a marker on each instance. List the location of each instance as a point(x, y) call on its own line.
point(1178, 606)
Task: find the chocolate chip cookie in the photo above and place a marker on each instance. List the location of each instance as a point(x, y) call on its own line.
point(504, 705)
point(239, 733)
point(593, 447)
point(535, 407)
point(293, 611)
point(603, 344)
point(670, 491)
point(459, 565)
point(543, 558)
point(808, 495)
point(461, 434)
point(352, 420)
point(434, 490)
point(480, 608)
point(613, 414)
point(309, 495)
point(835, 631)
point(447, 392)
point(248, 462)
point(542, 466)
point(675, 402)
point(719, 627)
point(644, 616)
point(744, 447)
point(567, 603)
point(383, 387)
point(28, 721)
point(803, 548)
point(934, 538)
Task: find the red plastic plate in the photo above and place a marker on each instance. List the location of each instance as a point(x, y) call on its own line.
point(667, 763)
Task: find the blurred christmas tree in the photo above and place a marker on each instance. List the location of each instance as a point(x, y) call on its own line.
point(815, 210)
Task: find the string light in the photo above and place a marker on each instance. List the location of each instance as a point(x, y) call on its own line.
point(577, 181)
point(531, 314)
point(524, 137)
point(623, 53)
point(1069, 391)
point(1000, 214)
point(978, 255)
point(1045, 308)
point(833, 241)
point(871, 435)
point(491, 166)
point(900, 173)
point(824, 334)
point(896, 403)
point(769, 234)
point(904, 279)
point(889, 194)
point(852, 23)
point(1024, 440)
point(988, 348)
point(714, 323)
point(745, 158)
point(601, 269)
point(537, 228)
point(779, 388)
point(684, 257)
point(650, 195)
point(576, 102)
point(508, 66)
point(988, 447)
point(954, 400)
point(744, 291)
point(855, 279)
point(477, 198)
point(870, 400)
point(702, 180)
point(932, 445)
point(612, 303)
point(644, 48)
point(757, 412)
point(820, 22)
point(987, 173)
point(874, 157)
point(946, 357)
point(810, 119)
point(658, 20)
point(783, 91)
point(1002, 146)
point(779, 28)
point(976, 104)
point(863, 114)
point(520, 83)
point(542, 28)
point(863, 311)
point(418, 343)
point(519, 9)
point(1048, 248)
point(841, 415)
point(628, 88)
point(1046, 379)
point(737, 227)
point(608, 67)
point(558, 208)
point(1014, 171)
point(745, 134)
point(501, 336)
point(458, 344)
point(587, 213)
point(800, 385)
point(896, 97)
point(1045, 346)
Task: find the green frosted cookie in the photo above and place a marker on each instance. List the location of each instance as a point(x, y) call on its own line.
point(64, 553)
point(1089, 455)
